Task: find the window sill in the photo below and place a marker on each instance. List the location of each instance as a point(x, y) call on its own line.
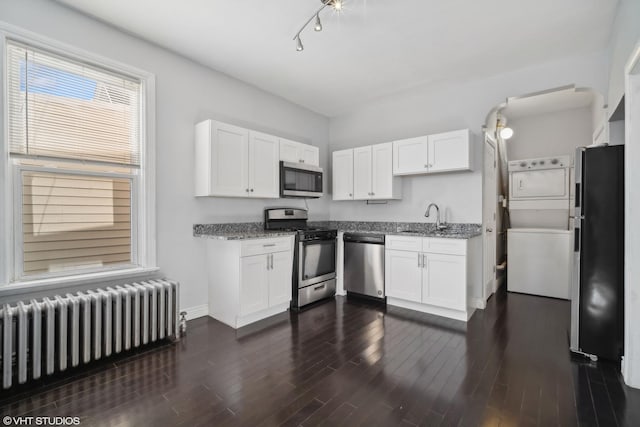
point(57, 283)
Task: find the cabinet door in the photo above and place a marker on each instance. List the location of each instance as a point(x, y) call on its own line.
point(362, 173)
point(410, 156)
point(449, 151)
point(254, 284)
point(280, 278)
point(382, 171)
point(309, 154)
point(343, 175)
point(444, 281)
point(264, 171)
point(290, 151)
point(403, 275)
point(229, 160)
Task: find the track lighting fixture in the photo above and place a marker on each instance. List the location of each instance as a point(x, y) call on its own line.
point(335, 4)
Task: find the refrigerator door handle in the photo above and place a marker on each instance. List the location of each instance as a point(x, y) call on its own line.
point(576, 240)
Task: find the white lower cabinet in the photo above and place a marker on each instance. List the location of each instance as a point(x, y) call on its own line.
point(249, 280)
point(438, 276)
point(403, 275)
point(444, 281)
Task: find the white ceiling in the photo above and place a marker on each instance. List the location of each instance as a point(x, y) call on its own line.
point(547, 102)
point(375, 48)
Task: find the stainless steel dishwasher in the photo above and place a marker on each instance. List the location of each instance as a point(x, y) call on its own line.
point(364, 264)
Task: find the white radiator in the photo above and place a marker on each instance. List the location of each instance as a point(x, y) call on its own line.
point(43, 337)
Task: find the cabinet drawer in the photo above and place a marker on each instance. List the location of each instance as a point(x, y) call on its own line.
point(265, 246)
point(403, 243)
point(445, 246)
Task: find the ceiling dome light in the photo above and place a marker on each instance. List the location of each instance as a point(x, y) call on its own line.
point(318, 26)
point(506, 133)
point(299, 46)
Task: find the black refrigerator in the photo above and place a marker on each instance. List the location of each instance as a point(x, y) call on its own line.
point(597, 295)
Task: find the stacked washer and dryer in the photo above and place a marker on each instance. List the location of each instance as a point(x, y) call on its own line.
point(539, 242)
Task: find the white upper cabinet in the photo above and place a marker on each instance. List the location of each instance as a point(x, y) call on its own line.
point(264, 172)
point(296, 152)
point(383, 184)
point(365, 173)
point(231, 161)
point(450, 151)
point(362, 173)
point(410, 156)
point(343, 175)
point(222, 160)
point(443, 152)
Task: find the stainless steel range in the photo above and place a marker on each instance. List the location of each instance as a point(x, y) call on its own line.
point(314, 257)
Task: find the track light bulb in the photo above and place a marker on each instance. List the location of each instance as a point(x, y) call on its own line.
point(299, 46)
point(318, 26)
point(337, 4)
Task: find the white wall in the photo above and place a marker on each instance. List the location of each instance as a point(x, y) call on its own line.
point(186, 93)
point(442, 107)
point(551, 134)
point(624, 36)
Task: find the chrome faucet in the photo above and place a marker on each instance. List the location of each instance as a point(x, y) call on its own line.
point(439, 226)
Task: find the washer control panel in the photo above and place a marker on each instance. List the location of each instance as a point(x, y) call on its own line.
point(540, 163)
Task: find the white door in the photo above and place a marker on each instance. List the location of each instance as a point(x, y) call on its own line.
point(410, 156)
point(403, 275)
point(290, 151)
point(309, 154)
point(254, 285)
point(229, 160)
point(444, 280)
point(449, 151)
point(264, 171)
point(343, 175)
point(279, 278)
point(362, 173)
point(489, 214)
point(382, 171)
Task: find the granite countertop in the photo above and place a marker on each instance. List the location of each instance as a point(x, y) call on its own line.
point(255, 230)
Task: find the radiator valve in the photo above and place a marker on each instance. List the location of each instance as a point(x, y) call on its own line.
point(183, 323)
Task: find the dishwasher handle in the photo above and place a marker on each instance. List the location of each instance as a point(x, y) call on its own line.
point(372, 239)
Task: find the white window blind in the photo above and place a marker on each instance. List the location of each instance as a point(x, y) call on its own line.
point(66, 109)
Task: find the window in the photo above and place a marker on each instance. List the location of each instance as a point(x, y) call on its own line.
point(81, 201)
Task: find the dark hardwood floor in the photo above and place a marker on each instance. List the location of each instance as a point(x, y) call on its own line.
point(347, 364)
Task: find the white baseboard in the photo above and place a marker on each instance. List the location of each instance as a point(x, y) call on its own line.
point(197, 311)
point(478, 303)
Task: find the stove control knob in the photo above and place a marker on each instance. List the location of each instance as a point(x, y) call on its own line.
point(523, 164)
point(554, 161)
point(541, 162)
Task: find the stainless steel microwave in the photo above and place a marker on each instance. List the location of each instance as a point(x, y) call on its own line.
point(300, 180)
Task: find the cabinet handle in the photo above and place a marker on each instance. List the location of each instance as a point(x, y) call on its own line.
point(252, 190)
point(426, 166)
point(247, 190)
point(267, 262)
point(419, 261)
point(350, 195)
point(430, 165)
point(272, 261)
point(424, 261)
point(270, 245)
point(317, 288)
